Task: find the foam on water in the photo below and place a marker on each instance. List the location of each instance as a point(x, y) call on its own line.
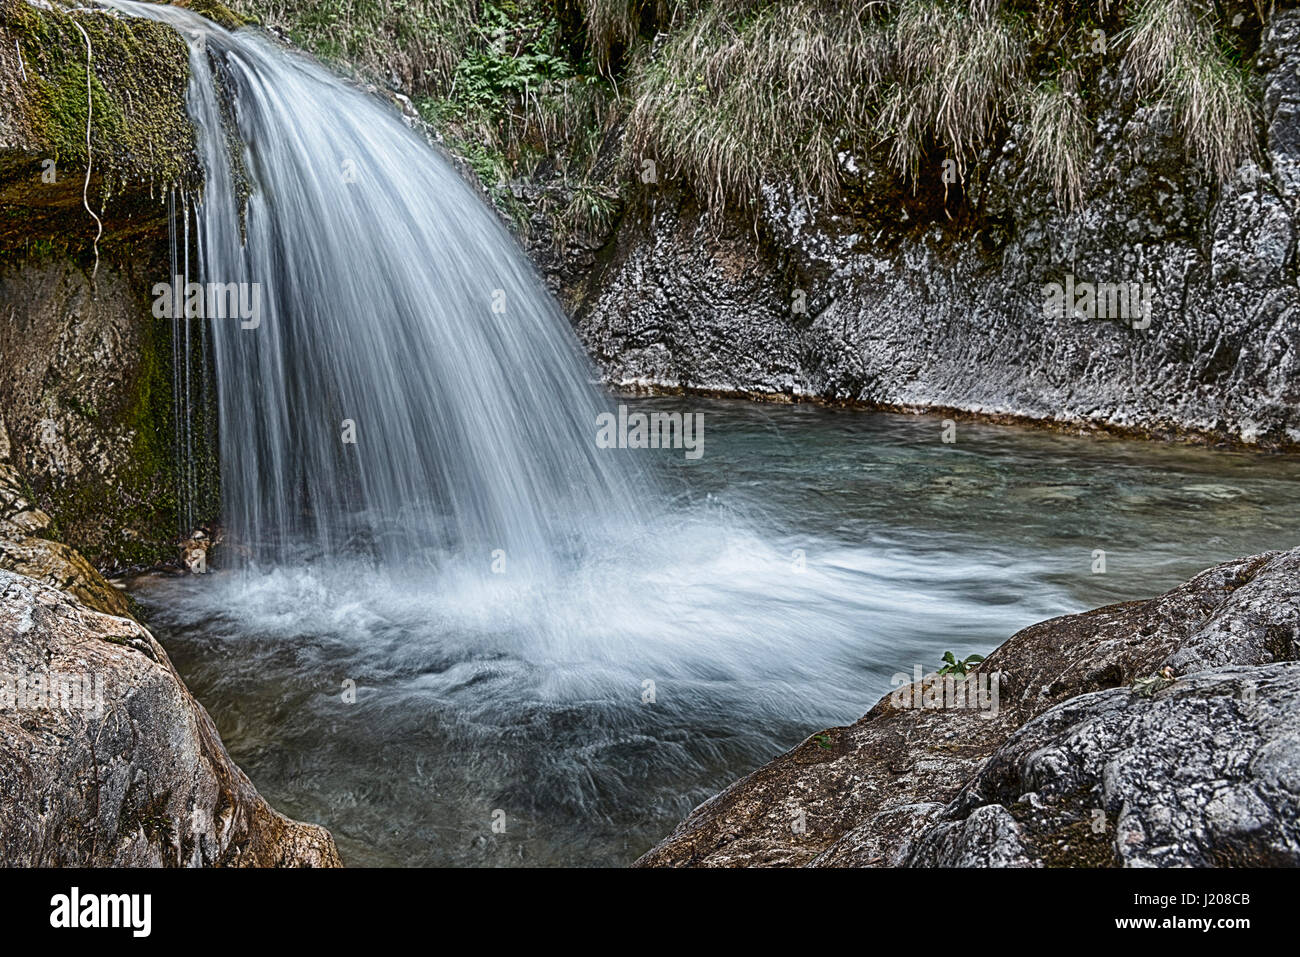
point(651, 634)
point(478, 692)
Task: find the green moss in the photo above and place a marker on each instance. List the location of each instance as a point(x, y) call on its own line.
point(150, 483)
point(126, 518)
point(139, 129)
point(217, 12)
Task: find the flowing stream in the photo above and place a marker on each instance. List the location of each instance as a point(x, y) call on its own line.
point(455, 630)
point(775, 590)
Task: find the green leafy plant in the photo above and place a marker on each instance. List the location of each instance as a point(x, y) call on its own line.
point(514, 58)
point(962, 667)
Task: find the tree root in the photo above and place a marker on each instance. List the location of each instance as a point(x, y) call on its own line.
point(85, 187)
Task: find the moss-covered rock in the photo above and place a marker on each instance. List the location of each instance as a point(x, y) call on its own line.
point(217, 12)
point(86, 388)
point(140, 133)
point(87, 394)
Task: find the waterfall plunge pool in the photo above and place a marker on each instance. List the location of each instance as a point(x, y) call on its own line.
point(806, 558)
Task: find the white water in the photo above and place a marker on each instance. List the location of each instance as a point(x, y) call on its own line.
point(475, 509)
point(526, 690)
point(393, 308)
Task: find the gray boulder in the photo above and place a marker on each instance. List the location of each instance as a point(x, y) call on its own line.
point(106, 760)
point(1205, 773)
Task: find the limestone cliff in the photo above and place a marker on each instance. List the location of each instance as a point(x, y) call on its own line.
point(935, 300)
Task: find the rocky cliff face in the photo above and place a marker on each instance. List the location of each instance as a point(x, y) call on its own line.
point(1091, 756)
point(937, 300)
point(105, 757)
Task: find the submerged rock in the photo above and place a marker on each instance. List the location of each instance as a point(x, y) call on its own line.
point(1073, 766)
point(194, 551)
point(109, 761)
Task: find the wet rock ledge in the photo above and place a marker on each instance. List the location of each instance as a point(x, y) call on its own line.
point(1077, 767)
point(86, 383)
point(106, 759)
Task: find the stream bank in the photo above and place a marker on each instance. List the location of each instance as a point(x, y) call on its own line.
point(901, 301)
point(108, 759)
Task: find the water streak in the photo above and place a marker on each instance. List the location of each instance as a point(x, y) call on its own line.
point(392, 308)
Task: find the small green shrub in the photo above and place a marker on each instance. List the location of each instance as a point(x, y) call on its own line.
point(954, 667)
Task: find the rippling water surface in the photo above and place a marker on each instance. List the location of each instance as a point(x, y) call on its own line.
point(789, 573)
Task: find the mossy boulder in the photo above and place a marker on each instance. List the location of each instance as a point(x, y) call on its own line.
point(217, 12)
point(140, 133)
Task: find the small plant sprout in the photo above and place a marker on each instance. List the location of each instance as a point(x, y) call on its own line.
point(954, 667)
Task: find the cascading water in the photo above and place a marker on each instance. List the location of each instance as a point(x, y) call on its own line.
point(395, 376)
point(526, 645)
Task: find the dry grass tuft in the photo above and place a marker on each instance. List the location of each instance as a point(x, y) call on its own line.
point(957, 68)
point(1059, 137)
point(732, 95)
point(1176, 57)
point(737, 98)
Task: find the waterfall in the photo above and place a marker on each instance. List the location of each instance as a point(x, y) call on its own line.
point(395, 377)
